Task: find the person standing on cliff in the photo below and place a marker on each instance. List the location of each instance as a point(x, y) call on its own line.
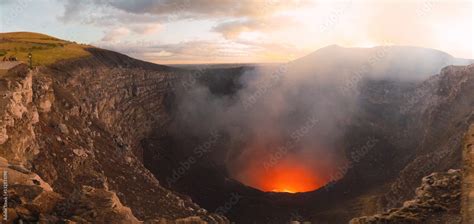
point(30, 60)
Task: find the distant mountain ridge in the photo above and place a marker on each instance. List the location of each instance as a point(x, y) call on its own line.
point(402, 62)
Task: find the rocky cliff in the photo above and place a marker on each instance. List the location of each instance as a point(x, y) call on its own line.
point(434, 118)
point(439, 112)
point(444, 197)
point(76, 135)
point(77, 125)
point(467, 188)
point(437, 201)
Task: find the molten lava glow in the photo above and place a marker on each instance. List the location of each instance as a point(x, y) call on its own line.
point(303, 170)
point(290, 175)
point(290, 178)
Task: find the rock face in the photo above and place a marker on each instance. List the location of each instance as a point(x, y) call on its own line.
point(78, 125)
point(30, 199)
point(71, 138)
point(420, 126)
point(440, 112)
point(437, 201)
point(18, 114)
point(95, 205)
point(467, 202)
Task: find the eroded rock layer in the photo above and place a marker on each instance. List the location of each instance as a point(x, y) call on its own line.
point(70, 136)
point(437, 201)
point(77, 124)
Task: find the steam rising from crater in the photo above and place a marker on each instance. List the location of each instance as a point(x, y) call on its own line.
point(284, 124)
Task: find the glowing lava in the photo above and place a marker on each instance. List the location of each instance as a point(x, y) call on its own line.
point(289, 176)
point(303, 170)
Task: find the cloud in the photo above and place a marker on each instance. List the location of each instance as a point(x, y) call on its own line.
point(166, 53)
point(118, 33)
point(117, 24)
point(122, 19)
point(139, 11)
point(202, 51)
point(267, 29)
point(4, 2)
point(115, 34)
point(97, 13)
point(232, 29)
point(186, 9)
point(145, 28)
point(72, 10)
point(207, 8)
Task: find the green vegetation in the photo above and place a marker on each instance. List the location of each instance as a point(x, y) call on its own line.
point(45, 49)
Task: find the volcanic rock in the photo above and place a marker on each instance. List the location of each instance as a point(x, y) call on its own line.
point(437, 201)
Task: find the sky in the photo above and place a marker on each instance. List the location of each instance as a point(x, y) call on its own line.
point(244, 31)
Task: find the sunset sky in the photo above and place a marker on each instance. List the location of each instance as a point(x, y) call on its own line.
point(241, 31)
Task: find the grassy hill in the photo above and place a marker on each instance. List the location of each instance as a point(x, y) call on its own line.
point(45, 49)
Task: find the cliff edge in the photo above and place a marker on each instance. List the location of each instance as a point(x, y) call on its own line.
point(69, 141)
